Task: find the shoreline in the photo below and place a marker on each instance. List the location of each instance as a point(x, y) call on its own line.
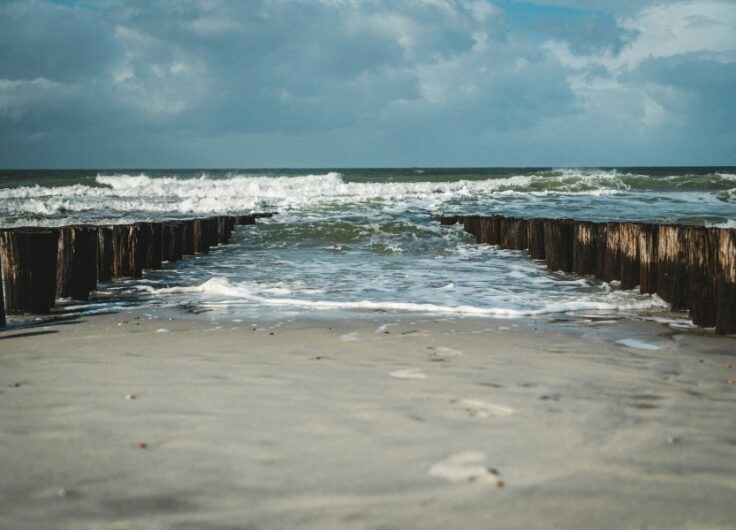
point(397, 421)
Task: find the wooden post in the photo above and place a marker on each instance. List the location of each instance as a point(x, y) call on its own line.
point(120, 251)
point(701, 260)
point(471, 224)
point(725, 241)
point(223, 229)
point(535, 238)
point(213, 231)
point(251, 219)
point(154, 251)
point(648, 259)
point(201, 236)
point(2, 297)
point(187, 237)
point(558, 245)
point(138, 241)
point(671, 266)
point(585, 248)
point(630, 263)
point(177, 240)
point(29, 269)
point(444, 219)
point(76, 262)
point(104, 253)
point(611, 253)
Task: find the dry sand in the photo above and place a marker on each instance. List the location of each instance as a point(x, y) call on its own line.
point(131, 421)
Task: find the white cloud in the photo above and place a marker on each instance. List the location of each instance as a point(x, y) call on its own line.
point(23, 96)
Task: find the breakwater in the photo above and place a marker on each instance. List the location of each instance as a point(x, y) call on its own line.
point(692, 268)
point(42, 265)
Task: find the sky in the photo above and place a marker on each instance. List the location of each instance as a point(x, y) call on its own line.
point(366, 83)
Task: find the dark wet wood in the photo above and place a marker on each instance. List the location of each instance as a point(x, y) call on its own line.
point(725, 247)
point(535, 238)
point(154, 252)
point(630, 263)
point(201, 236)
point(76, 262)
point(28, 258)
point(585, 248)
point(701, 257)
point(104, 253)
point(120, 251)
point(611, 254)
point(2, 297)
point(187, 237)
point(513, 233)
point(558, 238)
point(648, 258)
point(672, 283)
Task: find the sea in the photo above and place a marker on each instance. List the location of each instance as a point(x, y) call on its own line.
point(358, 243)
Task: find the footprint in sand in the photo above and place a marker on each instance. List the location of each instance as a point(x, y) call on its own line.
point(468, 466)
point(481, 409)
point(443, 351)
point(408, 374)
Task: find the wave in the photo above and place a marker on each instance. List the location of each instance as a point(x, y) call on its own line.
point(219, 286)
point(142, 195)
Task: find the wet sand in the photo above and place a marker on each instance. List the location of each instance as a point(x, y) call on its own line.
point(166, 421)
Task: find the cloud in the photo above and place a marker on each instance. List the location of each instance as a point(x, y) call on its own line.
point(366, 82)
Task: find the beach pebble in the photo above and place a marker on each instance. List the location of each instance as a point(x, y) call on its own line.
point(141, 445)
point(130, 396)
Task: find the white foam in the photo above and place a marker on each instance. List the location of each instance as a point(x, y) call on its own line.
point(638, 344)
point(133, 194)
point(222, 287)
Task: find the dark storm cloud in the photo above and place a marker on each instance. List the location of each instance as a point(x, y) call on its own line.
point(364, 82)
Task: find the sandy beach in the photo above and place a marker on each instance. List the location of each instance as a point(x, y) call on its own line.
point(160, 419)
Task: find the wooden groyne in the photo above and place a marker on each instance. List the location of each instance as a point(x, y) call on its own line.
point(42, 265)
point(692, 268)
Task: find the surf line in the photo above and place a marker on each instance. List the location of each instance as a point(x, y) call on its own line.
point(41, 265)
point(692, 268)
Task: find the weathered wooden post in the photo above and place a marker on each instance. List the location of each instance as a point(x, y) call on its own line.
point(471, 224)
point(558, 236)
point(120, 251)
point(213, 231)
point(177, 240)
point(76, 262)
point(154, 254)
point(671, 266)
point(701, 257)
point(444, 219)
point(187, 237)
point(630, 262)
point(2, 297)
point(535, 238)
point(611, 250)
point(585, 248)
point(201, 236)
point(725, 241)
point(172, 241)
point(250, 219)
point(138, 241)
point(648, 259)
point(29, 269)
point(223, 230)
point(513, 233)
point(104, 253)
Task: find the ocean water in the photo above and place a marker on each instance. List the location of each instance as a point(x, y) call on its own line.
point(363, 242)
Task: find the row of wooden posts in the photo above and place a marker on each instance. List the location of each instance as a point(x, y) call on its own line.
point(692, 268)
point(41, 265)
